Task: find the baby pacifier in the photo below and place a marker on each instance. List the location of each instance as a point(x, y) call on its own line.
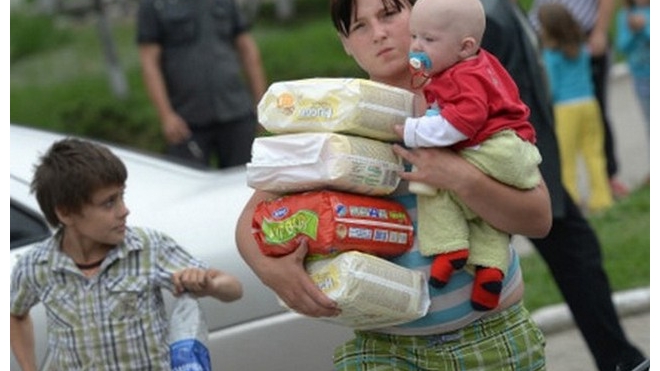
point(419, 63)
point(419, 60)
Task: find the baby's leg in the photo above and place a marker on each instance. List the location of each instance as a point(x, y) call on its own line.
point(442, 232)
point(489, 253)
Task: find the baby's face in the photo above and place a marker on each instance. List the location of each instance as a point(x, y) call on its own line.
point(431, 35)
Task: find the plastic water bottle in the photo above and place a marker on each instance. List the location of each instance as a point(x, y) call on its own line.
point(188, 337)
point(420, 188)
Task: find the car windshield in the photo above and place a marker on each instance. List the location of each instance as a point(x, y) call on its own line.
point(26, 227)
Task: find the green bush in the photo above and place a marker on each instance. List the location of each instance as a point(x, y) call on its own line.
point(34, 33)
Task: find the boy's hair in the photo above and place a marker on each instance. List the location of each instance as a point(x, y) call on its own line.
point(560, 30)
point(70, 172)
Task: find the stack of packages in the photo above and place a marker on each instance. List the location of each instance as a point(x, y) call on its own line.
point(331, 158)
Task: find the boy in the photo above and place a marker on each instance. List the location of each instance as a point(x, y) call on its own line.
point(100, 280)
point(476, 110)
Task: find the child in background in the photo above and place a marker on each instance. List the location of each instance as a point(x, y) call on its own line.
point(633, 40)
point(578, 117)
point(475, 110)
point(99, 279)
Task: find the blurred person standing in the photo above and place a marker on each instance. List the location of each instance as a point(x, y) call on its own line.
point(196, 58)
point(571, 249)
point(578, 123)
point(594, 17)
point(633, 40)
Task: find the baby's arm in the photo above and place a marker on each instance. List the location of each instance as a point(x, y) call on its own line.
point(21, 340)
point(432, 130)
point(429, 131)
point(207, 282)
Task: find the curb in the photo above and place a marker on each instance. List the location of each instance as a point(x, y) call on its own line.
point(618, 70)
point(556, 318)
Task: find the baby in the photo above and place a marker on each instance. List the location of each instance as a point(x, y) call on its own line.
point(474, 108)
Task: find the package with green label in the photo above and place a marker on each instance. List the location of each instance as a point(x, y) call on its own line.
point(331, 222)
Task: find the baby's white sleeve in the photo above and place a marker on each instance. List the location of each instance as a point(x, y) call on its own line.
point(431, 131)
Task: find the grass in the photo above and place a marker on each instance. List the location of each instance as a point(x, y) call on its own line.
point(624, 234)
point(58, 81)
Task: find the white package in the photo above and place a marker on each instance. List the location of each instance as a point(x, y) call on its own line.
point(339, 105)
point(371, 291)
point(310, 161)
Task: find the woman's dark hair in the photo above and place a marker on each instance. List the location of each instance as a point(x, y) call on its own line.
point(343, 12)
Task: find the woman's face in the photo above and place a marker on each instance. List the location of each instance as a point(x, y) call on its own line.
point(379, 41)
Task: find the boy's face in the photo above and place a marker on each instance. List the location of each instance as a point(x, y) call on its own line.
point(101, 221)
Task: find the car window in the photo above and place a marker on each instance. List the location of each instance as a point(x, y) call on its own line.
point(26, 226)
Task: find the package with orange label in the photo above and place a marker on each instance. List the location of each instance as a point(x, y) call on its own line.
point(332, 222)
point(337, 105)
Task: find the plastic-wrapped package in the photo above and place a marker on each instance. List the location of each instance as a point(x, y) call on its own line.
point(340, 105)
point(188, 337)
point(371, 291)
point(331, 222)
point(309, 161)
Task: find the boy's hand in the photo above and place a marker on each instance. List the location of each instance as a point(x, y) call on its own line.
point(189, 279)
point(207, 282)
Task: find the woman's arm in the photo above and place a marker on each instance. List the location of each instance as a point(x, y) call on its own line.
point(515, 211)
point(285, 275)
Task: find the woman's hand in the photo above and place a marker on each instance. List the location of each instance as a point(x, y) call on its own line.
point(285, 275)
point(441, 168)
point(515, 211)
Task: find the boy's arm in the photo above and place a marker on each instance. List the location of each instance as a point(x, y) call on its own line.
point(207, 282)
point(21, 340)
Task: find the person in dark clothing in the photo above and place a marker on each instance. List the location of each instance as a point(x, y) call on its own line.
point(571, 249)
point(203, 73)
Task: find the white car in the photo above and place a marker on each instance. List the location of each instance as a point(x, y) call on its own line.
point(199, 209)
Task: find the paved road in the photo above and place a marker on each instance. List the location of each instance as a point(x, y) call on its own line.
point(566, 351)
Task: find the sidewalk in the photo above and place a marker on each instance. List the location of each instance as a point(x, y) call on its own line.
point(565, 349)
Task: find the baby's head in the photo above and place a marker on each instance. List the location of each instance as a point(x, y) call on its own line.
point(447, 31)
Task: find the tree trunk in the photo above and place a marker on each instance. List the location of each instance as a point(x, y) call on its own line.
point(116, 75)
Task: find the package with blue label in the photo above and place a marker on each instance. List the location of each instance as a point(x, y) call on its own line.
point(332, 222)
